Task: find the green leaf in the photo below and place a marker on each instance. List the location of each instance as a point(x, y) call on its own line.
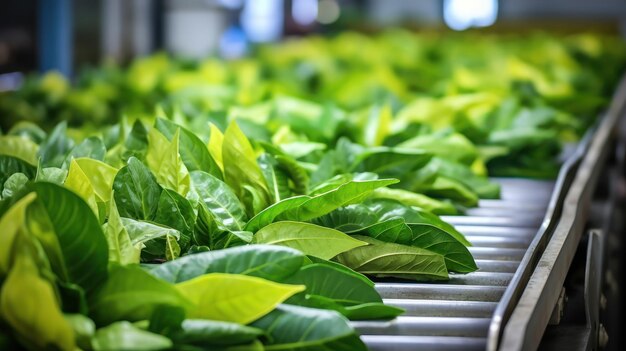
point(84, 329)
point(176, 212)
point(54, 148)
point(264, 261)
point(132, 294)
point(351, 192)
point(193, 152)
point(79, 235)
point(91, 147)
point(101, 176)
point(220, 200)
point(275, 177)
point(409, 198)
point(19, 147)
point(29, 305)
point(241, 170)
point(164, 160)
point(125, 336)
point(121, 248)
point(301, 328)
point(378, 125)
point(172, 249)
point(136, 142)
point(10, 165)
point(310, 239)
point(328, 281)
point(51, 174)
point(79, 183)
point(304, 208)
point(216, 142)
point(205, 332)
point(268, 215)
point(11, 223)
point(136, 191)
point(394, 260)
point(13, 184)
point(234, 298)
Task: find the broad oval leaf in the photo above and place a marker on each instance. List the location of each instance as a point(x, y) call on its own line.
point(268, 215)
point(136, 191)
point(19, 147)
point(121, 249)
point(394, 260)
point(79, 235)
point(300, 328)
point(29, 305)
point(219, 199)
point(10, 165)
point(325, 280)
point(233, 297)
point(263, 261)
point(176, 212)
point(204, 332)
point(193, 152)
point(126, 336)
point(241, 170)
point(101, 176)
point(311, 239)
point(78, 182)
point(132, 294)
point(164, 160)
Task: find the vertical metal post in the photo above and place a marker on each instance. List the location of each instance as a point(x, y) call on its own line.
point(55, 36)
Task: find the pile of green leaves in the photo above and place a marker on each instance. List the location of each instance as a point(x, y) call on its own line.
point(515, 99)
point(149, 234)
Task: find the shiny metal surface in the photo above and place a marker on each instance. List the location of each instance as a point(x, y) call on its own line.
point(455, 315)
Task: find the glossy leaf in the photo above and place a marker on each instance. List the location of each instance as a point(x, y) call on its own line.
point(241, 171)
point(101, 176)
point(233, 297)
point(164, 160)
point(91, 147)
point(19, 147)
point(203, 332)
point(220, 200)
point(132, 294)
point(79, 235)
point(216, 142)
point(11, 223)
point(136, 191)
point(29, 305)
point(176, 212)
point(409, 198)
point(125, 336)
point(394, 260)
point(121, 248)
point(193, 152)
point(10, 165)
point(78, 182)
point(264, 261)
point(54, 148)
point(310, 239)
point(301, 328)
point(13, 184)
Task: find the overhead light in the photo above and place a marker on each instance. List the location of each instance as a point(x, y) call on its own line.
point(464, 14)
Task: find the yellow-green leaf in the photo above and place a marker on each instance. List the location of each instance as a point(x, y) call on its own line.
point(20, 147)
point(28, 304)
point(215, 145)
point(242, 172)
point(78, 182)
point(234, 298)
point(165, 162)
point(121, 249)
point(100, 175)
point(311, 239)
point(11, 223)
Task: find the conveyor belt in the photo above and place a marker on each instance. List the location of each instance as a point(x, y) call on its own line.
point(456, 315)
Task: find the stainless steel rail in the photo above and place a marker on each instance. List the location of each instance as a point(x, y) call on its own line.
point(517, 242)
point(532, 311)
point(457, 314)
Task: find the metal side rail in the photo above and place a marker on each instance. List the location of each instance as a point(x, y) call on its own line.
point(456, 315)
point(531, 311)
point(523, 244)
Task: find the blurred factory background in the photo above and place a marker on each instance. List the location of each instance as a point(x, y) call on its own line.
point(65, 34)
